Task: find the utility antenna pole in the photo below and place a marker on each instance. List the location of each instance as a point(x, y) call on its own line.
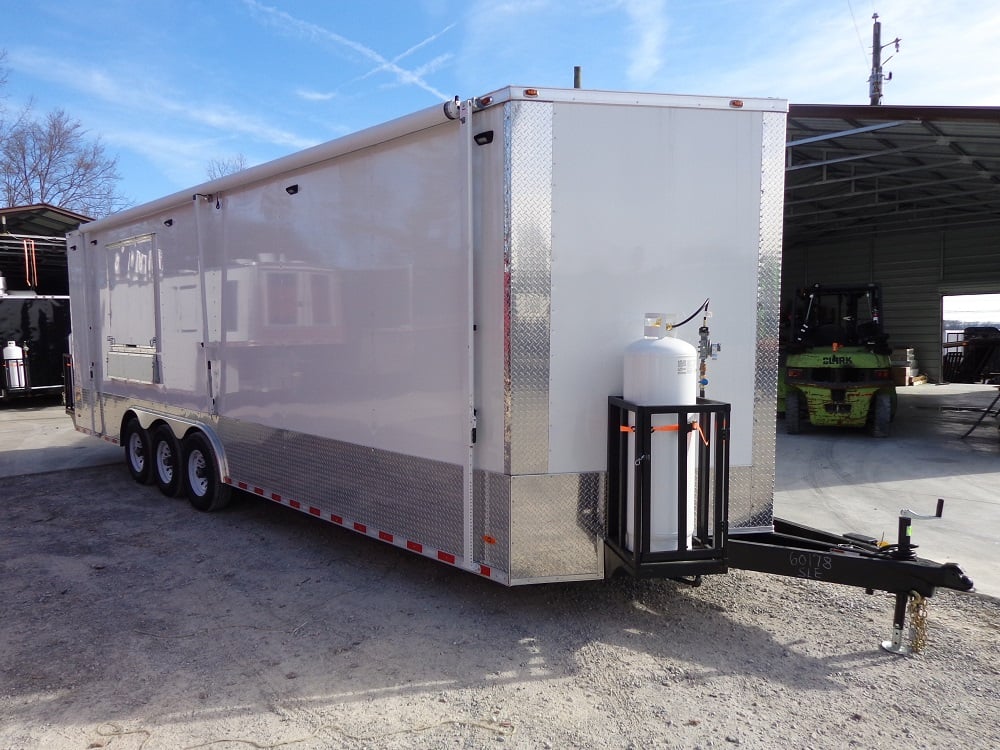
point(876, 78)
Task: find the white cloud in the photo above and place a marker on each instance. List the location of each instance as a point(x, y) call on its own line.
point(647, 31)
point(135, 97)
point(315, 96)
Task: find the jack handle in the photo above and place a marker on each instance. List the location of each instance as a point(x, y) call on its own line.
point(937, 514)
point(904, 549)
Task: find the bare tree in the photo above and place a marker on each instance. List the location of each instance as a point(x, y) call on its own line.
point(53, 161)
point(221, 167)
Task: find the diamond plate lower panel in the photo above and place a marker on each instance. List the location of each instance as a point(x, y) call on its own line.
point(556, 526)
point(491, 519)
point(416, 498)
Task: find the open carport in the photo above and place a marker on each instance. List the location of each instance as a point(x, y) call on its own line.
point(906, 197)
point(909, 198)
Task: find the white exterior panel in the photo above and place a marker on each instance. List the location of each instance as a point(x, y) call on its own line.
point(381, 365)
point(654, 210)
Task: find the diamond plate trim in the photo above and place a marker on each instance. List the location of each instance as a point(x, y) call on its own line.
point(772, 185)
point(491, 519)
point(556, 527)
point(528, 250)
point(416, 498)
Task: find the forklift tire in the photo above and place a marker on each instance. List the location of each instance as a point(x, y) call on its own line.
point(137, 452)
point(166, 454)
point(881, 415)
point(793, 415)
point(202, 484)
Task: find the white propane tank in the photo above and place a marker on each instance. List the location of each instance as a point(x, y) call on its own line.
point(661, 370)
point(13, 365)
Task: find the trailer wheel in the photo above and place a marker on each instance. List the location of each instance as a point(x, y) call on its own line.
point(881, 415)
point(137, 454)
point(202, 483)
point(793, 413)
point(166, 454)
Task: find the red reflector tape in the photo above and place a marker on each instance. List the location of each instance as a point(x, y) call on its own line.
point(385, 536)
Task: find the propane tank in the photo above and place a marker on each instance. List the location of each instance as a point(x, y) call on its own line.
point(661, 370)
point(13, 365)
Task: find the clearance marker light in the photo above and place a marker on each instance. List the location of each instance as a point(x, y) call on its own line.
point(736, 103)
point(531, 92)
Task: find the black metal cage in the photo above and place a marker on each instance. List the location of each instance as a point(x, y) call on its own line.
point(707, 550)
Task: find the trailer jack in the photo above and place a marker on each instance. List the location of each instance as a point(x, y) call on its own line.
point(911, 602)
point(854, 560)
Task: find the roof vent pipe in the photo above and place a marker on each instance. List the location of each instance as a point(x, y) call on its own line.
point(576, 76)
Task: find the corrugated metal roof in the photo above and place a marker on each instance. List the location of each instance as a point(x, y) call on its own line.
point(33, 247)
point(40, 219)
point(854, 170)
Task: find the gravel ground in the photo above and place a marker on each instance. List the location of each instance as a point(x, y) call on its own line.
point(131, 621)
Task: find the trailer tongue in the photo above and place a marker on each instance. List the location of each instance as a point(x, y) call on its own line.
point(789, 549)
point(849, 559)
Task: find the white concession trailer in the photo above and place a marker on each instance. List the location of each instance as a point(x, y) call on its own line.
point(413, 331)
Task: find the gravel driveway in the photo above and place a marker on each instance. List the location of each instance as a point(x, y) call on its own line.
point(131, 621)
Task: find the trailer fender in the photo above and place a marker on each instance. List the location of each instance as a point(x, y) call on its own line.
point(180, 426)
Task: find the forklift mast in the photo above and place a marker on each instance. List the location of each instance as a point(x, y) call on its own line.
point(851, 315)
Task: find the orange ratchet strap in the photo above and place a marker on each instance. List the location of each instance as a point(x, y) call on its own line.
point(669, 428)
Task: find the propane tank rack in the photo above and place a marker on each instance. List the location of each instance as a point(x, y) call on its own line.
point(706, 551)
point(16, 376)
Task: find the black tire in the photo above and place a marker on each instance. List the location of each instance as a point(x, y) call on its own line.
point(137, 452)
point(881, 415)
point(793, 413)
point(202, 484)
point(165, 453)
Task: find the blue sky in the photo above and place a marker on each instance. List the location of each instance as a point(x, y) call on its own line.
point(169, 85)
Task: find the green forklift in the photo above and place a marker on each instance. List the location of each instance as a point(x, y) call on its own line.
point(836, 369)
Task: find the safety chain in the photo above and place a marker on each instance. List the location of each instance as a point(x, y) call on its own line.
point(918, 622)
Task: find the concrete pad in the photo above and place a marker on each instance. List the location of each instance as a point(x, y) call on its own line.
point(37, 436)
point(843, 480)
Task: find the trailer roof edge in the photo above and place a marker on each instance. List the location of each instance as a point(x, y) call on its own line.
point(387, 131)
point(640, 99)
